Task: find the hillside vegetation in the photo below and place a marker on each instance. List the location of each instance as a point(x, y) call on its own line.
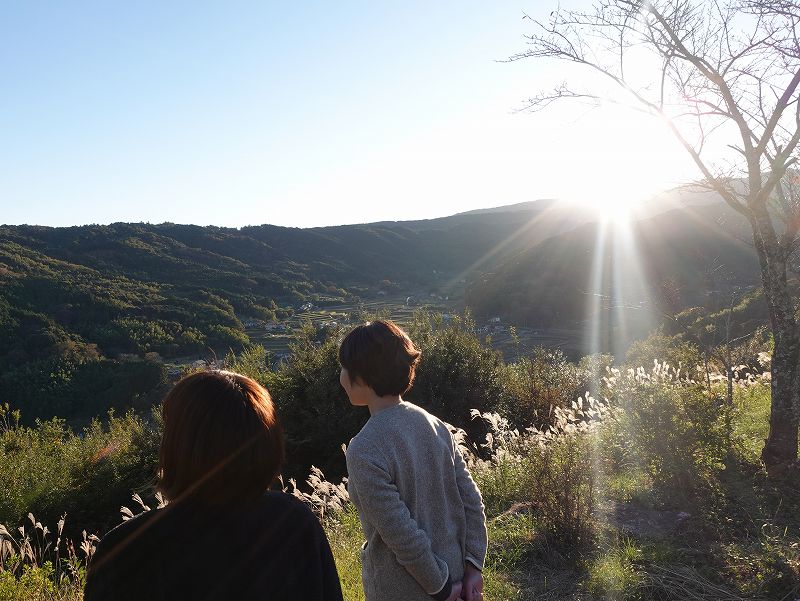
point(655, 265)
point(78, 304)
point(74, 302)
point(599, 482)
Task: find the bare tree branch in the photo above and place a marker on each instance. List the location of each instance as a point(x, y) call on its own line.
point(726, 71)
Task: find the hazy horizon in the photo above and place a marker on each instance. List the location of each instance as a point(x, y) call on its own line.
point(634, 208)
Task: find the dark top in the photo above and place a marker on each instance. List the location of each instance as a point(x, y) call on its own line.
point(271, 549)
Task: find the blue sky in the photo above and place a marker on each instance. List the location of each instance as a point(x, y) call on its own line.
point(243, 113)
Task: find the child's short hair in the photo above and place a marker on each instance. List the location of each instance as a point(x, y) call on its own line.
point(382, 355)
point(222, 443)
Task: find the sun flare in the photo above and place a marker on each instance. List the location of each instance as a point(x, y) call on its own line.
point(618, 211)
point(612, 210)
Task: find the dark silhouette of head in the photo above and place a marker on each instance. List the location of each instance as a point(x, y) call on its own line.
point(222, 443)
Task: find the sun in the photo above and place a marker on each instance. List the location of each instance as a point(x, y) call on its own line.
point(612, 209)
point(613, 193)
point(621, 208)
point(621, 160)
point(618, 212)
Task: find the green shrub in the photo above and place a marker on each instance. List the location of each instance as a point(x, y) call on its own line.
point(313, 407)
point(750, 420)
point(563, 493)
point(675, 428)
point(613, 573)
point(504, 482)
point(78, 386)
point(219, 335)
point(551, 474)
point(509, 548)
point(345, 537)
point(457, 373)
point(662, 348)
point(541, 383)
point(252, 361)
point(102, 385)
point(36, 584)
point(49, 470)
point(592, 369)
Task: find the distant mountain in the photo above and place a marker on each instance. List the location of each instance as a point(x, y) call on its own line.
point(648, 268)
point(529, 206)
point(80, 296)
point(73, 297)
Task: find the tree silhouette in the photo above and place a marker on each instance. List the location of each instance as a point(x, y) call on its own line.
point(723, 76)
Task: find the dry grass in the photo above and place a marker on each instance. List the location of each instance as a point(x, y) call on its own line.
point(684, 583)
point(34, 567)
point(537, 486)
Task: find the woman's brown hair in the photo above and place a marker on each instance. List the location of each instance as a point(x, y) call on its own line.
point(222, 443)
point(382, 355)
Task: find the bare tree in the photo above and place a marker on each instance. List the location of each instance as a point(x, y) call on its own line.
point(723, 75)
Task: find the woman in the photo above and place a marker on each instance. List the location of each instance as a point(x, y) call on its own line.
point(222, 535)
point(421, 511)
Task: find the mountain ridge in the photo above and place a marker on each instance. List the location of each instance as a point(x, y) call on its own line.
point(77, 295)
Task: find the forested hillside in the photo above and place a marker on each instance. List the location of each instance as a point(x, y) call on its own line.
point(655, 266)
point(76, 304)
point(75, 301)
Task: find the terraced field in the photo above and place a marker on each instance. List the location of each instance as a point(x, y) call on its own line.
point(394, 308)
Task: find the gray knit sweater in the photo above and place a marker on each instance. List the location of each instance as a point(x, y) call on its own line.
point(421, 511)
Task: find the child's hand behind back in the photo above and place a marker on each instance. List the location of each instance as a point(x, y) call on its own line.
point(472, 584)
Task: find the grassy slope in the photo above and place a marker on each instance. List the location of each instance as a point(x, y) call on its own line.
point(740, 542)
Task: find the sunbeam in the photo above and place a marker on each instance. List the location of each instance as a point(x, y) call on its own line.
point(631, 298)
point(595, 309)
point(553, 216)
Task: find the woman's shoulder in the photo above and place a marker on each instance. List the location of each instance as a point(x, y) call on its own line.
point(287, 517)
point(424, 421)
point(418, 411)
point(131, 542)
point(142, 521)
point(388, 420)
point(279, 506)
point(379, 430)
point(281, 501)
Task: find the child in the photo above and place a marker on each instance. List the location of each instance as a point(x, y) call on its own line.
point(421, 511)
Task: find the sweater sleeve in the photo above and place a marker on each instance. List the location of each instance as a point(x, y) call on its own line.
point(381, 506)
point(477, 539)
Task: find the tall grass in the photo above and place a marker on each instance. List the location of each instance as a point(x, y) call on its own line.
point(36, 563)
point(656, 444)
point(49, 469)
